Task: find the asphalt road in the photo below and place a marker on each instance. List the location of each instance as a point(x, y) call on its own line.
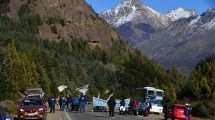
point(97, 116)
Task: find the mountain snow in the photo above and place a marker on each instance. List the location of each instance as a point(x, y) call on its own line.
point(209, 25)
point(125, 19)
point(196, 20)
point(122, 13)
point(153, 11)
point(130, 9)
point(180, 13)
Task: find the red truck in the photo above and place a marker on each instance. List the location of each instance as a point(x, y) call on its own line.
point(178, 112)
point(31, 108)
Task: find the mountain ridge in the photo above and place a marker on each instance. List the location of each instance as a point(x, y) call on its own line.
point(185, 30)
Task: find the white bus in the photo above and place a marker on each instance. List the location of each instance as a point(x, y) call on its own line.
point(151, 91)
point(156, 98)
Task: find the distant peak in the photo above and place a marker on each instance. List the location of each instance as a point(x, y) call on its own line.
point(180, 9)
point(211, 10)
point(180, 13)
point(132, 2)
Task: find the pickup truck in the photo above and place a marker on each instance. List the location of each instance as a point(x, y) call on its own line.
point(31, 108)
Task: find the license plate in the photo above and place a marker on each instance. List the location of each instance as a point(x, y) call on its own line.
point(31, 114)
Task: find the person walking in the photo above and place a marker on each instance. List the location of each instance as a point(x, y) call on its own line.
point(111, 105)
point(83, 103)
point(52, 102)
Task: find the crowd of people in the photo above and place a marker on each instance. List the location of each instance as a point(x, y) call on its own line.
point(136, 107)
point(71, 103)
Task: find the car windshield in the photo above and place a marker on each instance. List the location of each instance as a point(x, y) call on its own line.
point(32, 102)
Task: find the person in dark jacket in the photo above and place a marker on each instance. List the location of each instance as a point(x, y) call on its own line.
point(69, 103)
point(111, 105)
point(83, 102)
point(52, 102)
point(122, 106)
point(75, 103)
point(188, 111)
point(62, 103)
point(2, 116)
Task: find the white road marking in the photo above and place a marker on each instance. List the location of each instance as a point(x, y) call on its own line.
point(67, 116)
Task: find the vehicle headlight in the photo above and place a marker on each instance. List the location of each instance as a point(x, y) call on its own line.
point(41, 109)
point(21, 110)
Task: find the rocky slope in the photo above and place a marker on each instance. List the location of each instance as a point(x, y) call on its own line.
point(65, 19)
point(184, 43)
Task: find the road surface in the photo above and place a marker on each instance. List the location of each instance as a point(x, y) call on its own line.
point(97, 116)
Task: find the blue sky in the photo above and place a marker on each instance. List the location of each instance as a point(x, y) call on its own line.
point(162, 6)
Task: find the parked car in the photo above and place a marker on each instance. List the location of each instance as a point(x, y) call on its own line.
point(178, 112)
point(32, 108)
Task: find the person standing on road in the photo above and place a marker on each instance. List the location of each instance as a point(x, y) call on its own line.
point(111, 105)
point(76, 103)
point(83, 102)
point(188, 110)
point(52, 102)
point(62, 103)
point(122, 106)
point(69, 103)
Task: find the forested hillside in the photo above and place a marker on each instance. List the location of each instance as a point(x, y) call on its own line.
point(28, 60)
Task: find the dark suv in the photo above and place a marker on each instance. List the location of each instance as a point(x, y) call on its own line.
point(32, 108)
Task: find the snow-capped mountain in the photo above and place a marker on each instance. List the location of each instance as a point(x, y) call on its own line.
point(134, 11)
point(205, 21)
point(180, 13)
point(179, 38)
point(183, 43)
point(123, 11)
point(135, 20)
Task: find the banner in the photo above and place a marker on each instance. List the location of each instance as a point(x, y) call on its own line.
point(99, 102)
point(61, 88)
point(103, 103)
point(83, 89)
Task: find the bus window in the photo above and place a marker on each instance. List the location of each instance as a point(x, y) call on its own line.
point(159, 93)
point(151, 93)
